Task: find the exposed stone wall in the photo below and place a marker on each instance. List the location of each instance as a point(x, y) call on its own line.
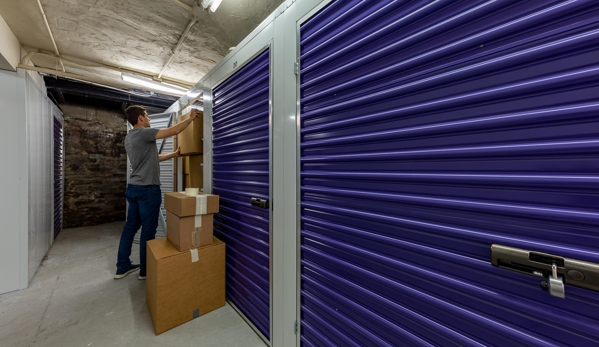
point(95, 166)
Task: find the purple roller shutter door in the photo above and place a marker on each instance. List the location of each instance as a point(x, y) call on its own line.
point(241, 171)
point(58, 176)
point(430, 130)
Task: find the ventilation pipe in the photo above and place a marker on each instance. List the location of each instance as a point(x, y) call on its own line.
point(51, 35)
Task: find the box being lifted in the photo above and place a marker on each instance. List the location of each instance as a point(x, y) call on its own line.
point(190, 139)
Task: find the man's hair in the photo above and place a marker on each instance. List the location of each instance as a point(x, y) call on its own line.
point(133, 112)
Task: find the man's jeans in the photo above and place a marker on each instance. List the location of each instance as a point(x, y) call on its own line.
point(144, 207)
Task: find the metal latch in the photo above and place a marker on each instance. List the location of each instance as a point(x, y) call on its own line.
point(556, 283)
point(257, 202)
point(555, 269)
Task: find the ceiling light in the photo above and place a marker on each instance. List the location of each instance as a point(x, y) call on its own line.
point(157, 86)
point(213, 4)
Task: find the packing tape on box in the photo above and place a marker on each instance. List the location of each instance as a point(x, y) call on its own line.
point(201, 204)
point(194, 255)
point(198, 221)
point(195, 237)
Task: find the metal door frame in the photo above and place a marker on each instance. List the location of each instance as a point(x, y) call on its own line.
point(209, 92)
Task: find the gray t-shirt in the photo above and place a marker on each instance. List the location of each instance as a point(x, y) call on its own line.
point(140, 145)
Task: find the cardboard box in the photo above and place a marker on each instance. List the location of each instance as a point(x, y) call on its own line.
point(182, 205)
point(189, 232)
point(181, 286)
point(193, 167)
point(190, 139)
point(188, 181)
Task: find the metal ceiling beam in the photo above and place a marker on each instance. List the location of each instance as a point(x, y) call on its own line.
point(61, 86)
point(183, 36)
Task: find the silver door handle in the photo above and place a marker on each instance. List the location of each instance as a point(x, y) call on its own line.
point(554, 268)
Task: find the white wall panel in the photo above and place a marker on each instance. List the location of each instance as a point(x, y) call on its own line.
point(39, 124)
point(9, 176)
point(26, 202)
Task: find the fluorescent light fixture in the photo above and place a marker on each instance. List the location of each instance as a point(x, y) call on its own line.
point(213, 4)
point(155, 86)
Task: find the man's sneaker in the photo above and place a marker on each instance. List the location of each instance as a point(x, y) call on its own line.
point(120, 274)
point(142, 275)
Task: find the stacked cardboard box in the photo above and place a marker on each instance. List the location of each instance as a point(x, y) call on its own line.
point(190, 219)
point(185, 277)
point(181, 286)
point(193, 171)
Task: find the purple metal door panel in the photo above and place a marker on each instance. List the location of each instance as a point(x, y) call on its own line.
point(241, 171)
point(430, 130)
point(58, 176)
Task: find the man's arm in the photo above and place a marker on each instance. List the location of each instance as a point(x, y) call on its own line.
point(175, 154)
point(176, 129)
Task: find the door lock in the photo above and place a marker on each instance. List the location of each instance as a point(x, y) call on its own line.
point(257, 202)
point(554, 270)
point(556, 283)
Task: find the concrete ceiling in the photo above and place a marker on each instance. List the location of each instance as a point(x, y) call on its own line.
point(94, 35)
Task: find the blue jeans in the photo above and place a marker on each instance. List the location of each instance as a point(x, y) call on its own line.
point(144, 209)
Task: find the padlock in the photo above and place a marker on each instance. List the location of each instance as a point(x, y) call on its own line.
point(556, 283)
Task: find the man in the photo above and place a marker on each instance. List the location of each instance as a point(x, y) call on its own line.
point(143, 191)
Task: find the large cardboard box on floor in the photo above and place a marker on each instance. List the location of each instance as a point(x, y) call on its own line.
point(194, 171)
point(181, 286)
point(182, 205)
point(190, 139)
point(189, 232)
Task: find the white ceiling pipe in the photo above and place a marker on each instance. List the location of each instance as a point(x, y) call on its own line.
point(87, 65)
point(50, 32)
point(185, 33)
point(102, 81)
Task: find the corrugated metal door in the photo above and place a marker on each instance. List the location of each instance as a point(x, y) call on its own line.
point(429, 131)
point(160, 121)
point(58, 176)
point(241, 171)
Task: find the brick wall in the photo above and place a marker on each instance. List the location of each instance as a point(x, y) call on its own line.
point(95, 166)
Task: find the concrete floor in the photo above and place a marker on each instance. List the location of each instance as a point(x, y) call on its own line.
point(74, 301)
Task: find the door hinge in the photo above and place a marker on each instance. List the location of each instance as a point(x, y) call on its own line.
point(296, 68)
point(295, 328)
